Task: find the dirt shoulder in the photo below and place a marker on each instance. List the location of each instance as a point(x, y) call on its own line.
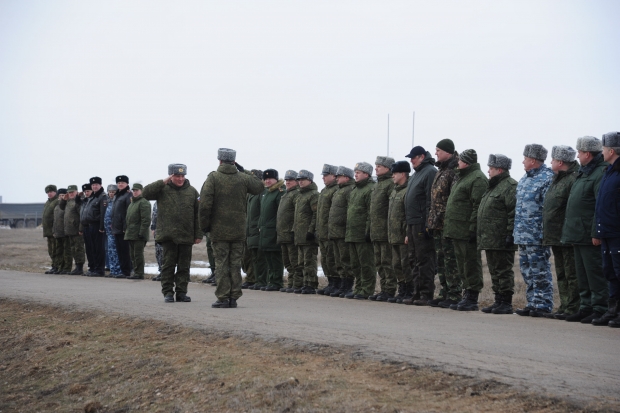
point(55, 359)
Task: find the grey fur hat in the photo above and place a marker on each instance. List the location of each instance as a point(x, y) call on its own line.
point(226, 155)
point(303, 174)
point(364, 167)
point(290, 174)
point(385, 161)
point(344, 171)
point(611, 140)
point(112, 187)
point(500, 161)
point(589, 144)
point(329, 169)
point(563, 153)
point(177, 169)
point(535, 151)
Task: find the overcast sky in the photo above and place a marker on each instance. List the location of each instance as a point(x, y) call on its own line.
point(127, 87)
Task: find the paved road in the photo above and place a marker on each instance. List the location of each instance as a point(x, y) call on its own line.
point(552, 357)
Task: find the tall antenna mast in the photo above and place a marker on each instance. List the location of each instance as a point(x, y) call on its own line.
point(413, 129)
point(388, 136)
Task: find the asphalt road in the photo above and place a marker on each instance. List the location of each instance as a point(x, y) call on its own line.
point(551, 357)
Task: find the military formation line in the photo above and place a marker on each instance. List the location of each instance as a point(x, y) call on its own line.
point(406, 226)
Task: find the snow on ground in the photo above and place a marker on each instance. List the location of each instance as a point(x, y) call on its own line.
point(151, 268)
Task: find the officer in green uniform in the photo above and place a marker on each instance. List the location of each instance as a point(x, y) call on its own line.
point(137, 224)
point(328, 261)
point(73, 228)
point(397, 230)
point(47, 222)
point(63, 246)
point(259, 263)
point(267, 236)
point(284, 228)
point(304, 228)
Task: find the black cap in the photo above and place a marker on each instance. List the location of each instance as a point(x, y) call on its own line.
point(401, 166)
point(122, 178)
point(62, 191)
point(86, 187)
point(95, 180)
point(416, 151)
point(270, 173)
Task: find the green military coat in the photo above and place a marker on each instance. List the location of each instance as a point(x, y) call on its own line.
point(252, 232)
point(496, 213)
point(461, 216)
point(73, 226)
point(397, 219)
point(324, 205)
point(379, 204)
point(554, 205)
point(267, 222)
point(358, 212)
point(579, 224)
point(138, 219)
point(47, 220)
point(305, 214)
point(58, 229)
point(338, 210)
point(286, 216)
point(177, 211)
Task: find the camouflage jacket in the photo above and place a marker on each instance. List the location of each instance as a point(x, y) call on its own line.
point(47, 220)
point(305, 214)
point(358, 212)
point(223, 203)
point(496, 213)
point(138, 219)
point(418, 201)
point(322, 216)
point(58, 228)
point(461, 216)
point(286, 216)
point(440, 191)
point(267, 222)
point(379, 205)
point(177, 219)
point(338, 210)
point(397, 223)
point(252, 234)
point(72, 215)
point(531, 192)
point(554, 206)
point(580, 224)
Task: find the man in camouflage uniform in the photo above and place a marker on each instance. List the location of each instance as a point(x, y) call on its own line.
point(267, 240)
point(284, 228)
point(379, 204)
point(338, 227)
point(210, 279)
point(461, 223)
point(137, 230)
point(397, 229)
point(178, 229)
point(358, 233)
point(63, 246)
point(554, 211)
point(73, 228)
point(259, 263)
point(421, 247)
point(223, 209)
point(447, 162)
point(328, 261)
point(304, 229)
point(47, 221)
point(533, 256)
point(496, 215)
point(580, 231)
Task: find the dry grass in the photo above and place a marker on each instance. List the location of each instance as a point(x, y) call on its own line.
point(57, 360)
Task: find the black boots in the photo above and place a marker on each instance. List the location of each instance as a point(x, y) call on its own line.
point(469, 302)
point(505, 305)
point(398, 299)
point(493, 306)
point(347, 288)
point(79, 270)
point(611, 314)
point(329, 289)
point(52, 270)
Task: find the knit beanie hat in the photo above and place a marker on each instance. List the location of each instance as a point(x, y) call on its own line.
point(469, 156)
point(446, 145)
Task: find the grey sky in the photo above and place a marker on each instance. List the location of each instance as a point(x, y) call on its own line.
point(108, 88)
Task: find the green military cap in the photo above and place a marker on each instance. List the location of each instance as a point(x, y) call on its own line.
point(72, 188)
point(50, 188)
point(137, 186)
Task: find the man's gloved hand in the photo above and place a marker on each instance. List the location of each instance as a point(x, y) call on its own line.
point(239, 167)
point(309, 236)
point(510, 241)
point(367, 237)
point(428, 233)
point(472, 237)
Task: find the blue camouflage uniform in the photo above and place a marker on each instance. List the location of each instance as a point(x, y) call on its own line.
point(533, 256)
point(114, 263)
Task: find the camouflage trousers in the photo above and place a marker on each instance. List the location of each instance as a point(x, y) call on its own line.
point(275, 268)
point(159, 255)
point(400, 265)
point(342, 257)
point(290, 259)
point(210, 255)
point(328, 260)
point(423, 261)
point(383, 263)
point(176, 257)
point(469, 264)
point(228, 258)
point(536, 271)
point(63, 254)
point(51, 251)
point(113, 263)
point(308, 261)
point(593, 287)
point(500, 263)
point(77, 249)
point(247, 265)
point(136, 252)
point(447, 271)
point(566, 274)
point(259, 263)
point(363, 268)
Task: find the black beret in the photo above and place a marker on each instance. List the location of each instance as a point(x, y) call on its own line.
point(122, 178)
point(270, 173)
point(95, 180)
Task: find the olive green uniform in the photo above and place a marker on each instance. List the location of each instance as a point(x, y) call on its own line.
point(328, 260)
point(259, 263)
point(304, 229)
point(138, 221)
point(73, 228)
point(47, 221)
point(284, 228)
point(338, 227)
point(63, 245)
point(397, 232)
point(267, 241)
point(379, 205)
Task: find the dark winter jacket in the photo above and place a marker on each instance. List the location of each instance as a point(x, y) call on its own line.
point(306, 207)
point(72, 215)
point(461, 219)
point(440, 191)
point(379, 205)
point(47, 220)
point(252, 232)
point(59, 222)
point(496, 213)
point(397, 223)
point(138, 219)
point(286, 216)
point(122, 199)
point(94, 210)
point(554, 206)
point(267, 222)
point(358, 212)
point(418, 200)
point(338, 210)
point(608, 203)
point(322, 215)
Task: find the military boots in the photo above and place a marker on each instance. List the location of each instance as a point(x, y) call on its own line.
point(327, 290)
point(612, 313)
point(398, 299)
point(469, 302)
point(493, 306)
point(79, 270)
point(505, 305)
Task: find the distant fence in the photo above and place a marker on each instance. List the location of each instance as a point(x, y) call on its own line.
point(21, 215)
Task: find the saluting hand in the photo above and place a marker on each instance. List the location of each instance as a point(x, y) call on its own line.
point(166, 180)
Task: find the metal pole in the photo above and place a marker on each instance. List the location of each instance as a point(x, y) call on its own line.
point(413, 129)
point(388, 136)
